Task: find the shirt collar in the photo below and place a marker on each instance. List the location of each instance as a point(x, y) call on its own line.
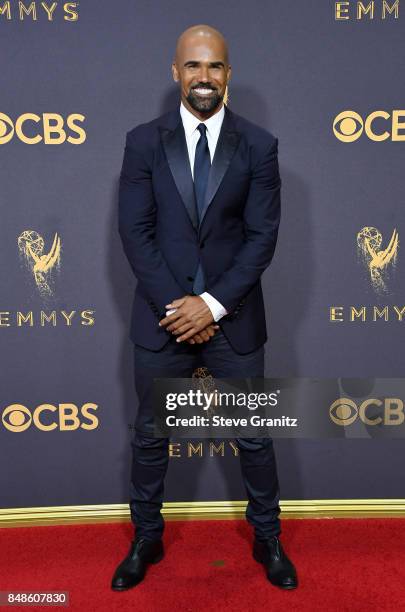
point(190, 121)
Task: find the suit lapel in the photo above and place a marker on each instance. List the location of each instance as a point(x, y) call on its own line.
point(175, 147)
point(226, 146)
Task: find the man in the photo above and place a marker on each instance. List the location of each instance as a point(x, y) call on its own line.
point(199, 210)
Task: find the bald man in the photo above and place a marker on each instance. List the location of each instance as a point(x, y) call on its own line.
point(199, 210)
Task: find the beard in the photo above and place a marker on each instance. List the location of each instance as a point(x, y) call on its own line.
point(204, 104)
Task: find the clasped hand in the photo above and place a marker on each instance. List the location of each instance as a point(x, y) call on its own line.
point(192, 321)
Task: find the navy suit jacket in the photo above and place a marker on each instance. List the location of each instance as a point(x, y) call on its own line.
point(235, 239)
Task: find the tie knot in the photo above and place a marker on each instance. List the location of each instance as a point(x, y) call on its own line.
point(202, 128)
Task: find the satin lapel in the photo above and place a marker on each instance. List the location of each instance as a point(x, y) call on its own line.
point(175, 146)
point(226, 146)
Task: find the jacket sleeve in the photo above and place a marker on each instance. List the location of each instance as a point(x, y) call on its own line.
point(261, 221)
point(137, 223)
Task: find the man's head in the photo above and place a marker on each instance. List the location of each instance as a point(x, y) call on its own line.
point(202, 68)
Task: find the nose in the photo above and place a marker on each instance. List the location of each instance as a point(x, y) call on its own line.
point(204, 77)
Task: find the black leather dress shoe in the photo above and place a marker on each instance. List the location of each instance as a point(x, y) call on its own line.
point(279, 569)
point(133, 568)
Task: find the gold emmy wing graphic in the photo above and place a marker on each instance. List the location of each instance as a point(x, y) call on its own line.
point(377, 260)
point(31, 248)
point(202, 379)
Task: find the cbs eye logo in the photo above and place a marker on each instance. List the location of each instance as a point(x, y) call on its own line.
point(348, 126)
point(46, 417)
point(344, 411)
point(50, 127)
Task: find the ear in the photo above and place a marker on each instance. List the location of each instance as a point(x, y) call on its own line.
point(229, 74)
point(175, 72)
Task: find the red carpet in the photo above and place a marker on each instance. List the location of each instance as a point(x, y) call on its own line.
point(343, 564)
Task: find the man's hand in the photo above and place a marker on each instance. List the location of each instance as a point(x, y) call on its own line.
point(192, 316)
point(204, 335)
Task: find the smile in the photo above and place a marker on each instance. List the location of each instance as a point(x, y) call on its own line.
point(203, 92)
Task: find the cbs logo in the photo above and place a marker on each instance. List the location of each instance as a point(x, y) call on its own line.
point(345, 411)
point(51, 128)
point(348, 126)
point(46, 417)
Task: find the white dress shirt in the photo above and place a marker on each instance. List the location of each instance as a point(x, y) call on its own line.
point(213, 125)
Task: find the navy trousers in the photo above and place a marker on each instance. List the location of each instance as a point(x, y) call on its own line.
point(150, 455)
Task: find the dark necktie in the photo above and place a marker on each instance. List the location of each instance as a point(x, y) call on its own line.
point(202, 165)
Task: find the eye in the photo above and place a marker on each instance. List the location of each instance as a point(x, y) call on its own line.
point(348, 126)
point(6, 124)
point(19, 418)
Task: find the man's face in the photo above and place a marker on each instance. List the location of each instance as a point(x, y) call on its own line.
point(203, 72)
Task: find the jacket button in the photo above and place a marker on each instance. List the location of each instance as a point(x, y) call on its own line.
point(202, 244)
point(190, 278)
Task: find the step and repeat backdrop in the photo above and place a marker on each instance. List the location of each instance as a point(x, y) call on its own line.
point(326, 79)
